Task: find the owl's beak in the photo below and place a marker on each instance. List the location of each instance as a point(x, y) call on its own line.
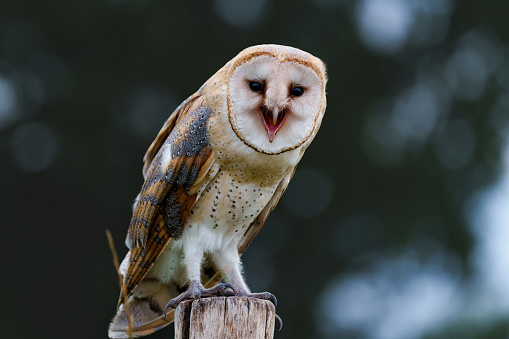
point(273, 119)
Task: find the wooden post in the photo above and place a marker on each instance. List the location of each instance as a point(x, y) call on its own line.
point(221, 318)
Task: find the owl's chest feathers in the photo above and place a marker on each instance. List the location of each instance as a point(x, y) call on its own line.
point(227, 206)
point(241, 187)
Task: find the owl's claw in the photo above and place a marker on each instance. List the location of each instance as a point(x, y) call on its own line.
point(280, 321)
point(197, 291)
point(263, 295)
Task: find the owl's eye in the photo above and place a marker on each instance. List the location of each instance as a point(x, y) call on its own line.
point(256, 86)
point(297, 91)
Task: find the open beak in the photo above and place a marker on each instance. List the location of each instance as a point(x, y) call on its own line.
point(273, 120)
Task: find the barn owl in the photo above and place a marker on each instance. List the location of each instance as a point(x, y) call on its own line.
point(213, 174)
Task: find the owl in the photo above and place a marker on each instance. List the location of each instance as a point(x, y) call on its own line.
point(215, 171)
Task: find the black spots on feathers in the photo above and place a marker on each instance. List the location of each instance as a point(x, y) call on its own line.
point(182, 177)
point(192, 176)
point(187, 176)
point(160, 240)
point(139, 222)
point(169, 177)
point(150, 199)
point(195, 138)
point(172, 215)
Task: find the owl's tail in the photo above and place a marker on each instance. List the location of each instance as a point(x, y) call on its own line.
point(146, 315)
point(146, 306)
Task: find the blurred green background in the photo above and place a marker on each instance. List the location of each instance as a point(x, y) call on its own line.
point(396, 224)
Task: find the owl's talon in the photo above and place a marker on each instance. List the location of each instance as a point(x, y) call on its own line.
point(280, 321)
point(272, 298)
point(227, 286)
point(263, 295)
point(166, 309)
point(197, 291)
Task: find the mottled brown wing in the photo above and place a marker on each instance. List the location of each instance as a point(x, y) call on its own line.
point(169, 192)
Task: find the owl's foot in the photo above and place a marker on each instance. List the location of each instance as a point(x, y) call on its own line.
point(197, 291)
point(264, 296)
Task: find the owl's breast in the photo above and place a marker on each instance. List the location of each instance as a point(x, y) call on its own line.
point(226, 207)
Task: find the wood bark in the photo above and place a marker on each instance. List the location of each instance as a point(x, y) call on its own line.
point(221, 318)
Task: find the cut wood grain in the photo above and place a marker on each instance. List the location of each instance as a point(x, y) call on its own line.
point(220, 318)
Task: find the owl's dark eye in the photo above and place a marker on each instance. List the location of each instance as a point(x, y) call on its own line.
point(297, 91)
point(256, 86)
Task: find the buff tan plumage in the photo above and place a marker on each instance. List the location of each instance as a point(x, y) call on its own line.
point(213, 174)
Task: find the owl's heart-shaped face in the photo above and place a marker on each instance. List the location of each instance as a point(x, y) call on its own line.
point(275, 103)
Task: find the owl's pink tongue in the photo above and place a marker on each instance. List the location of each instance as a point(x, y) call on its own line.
point(272, 120)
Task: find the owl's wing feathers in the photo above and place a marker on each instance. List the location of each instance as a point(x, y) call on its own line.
point(177, 168)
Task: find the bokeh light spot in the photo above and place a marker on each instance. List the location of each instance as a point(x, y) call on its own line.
point(478, 54)
point(384, 25)
point(398, 298)
point(241, 13)
point(455, 146)
point(34, 147)
point(407, 124)
point(489, 214)
point(8, 111)
point(143, 109)
point(416, 113)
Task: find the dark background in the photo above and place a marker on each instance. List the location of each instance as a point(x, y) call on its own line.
point(396, 222)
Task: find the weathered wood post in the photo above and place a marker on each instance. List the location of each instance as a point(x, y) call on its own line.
point(225, 318)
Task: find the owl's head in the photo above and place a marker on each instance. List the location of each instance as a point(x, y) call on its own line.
point(276, 97)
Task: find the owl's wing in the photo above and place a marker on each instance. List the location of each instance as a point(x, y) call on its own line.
point(178, 163)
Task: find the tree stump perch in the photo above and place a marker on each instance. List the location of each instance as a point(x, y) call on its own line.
point(225, 317)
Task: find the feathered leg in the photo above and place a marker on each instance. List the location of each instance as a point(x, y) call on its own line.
point(228, 263)
point(193, 263)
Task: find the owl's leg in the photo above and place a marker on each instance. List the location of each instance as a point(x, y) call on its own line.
point(229, 264)
point(193, 262)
